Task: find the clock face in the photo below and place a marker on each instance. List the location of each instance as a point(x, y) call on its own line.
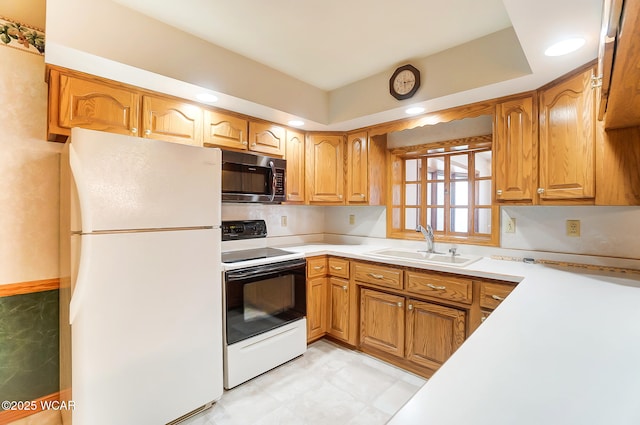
point(404, 82)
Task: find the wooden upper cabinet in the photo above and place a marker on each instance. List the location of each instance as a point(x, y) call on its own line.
point(266, 138)
point(78, 102)
point(433, 333)
point(516, 150)
point(225, 130)
point(171, 120)
point(357, 169)
point(567, 139)
point(324, 163)
point(295, 166)
point(366, 169)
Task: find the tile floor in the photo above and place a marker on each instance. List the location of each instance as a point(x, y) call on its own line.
point(327, 385)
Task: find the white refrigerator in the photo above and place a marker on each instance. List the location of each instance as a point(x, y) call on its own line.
point(141, 291)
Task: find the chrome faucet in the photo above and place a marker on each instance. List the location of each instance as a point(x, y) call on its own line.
point(428, 236)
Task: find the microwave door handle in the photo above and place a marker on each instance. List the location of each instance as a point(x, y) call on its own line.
point(273, 181)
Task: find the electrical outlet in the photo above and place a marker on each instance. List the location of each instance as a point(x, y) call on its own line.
point(352, 219)
point(573, 228)
point(510, 225)
point(283, 221)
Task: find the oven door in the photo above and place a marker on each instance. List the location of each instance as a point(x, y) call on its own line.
point(261, 298)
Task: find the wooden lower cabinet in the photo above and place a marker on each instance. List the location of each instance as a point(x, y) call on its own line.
point(433, 333)
point(382, 322)
point(338, 317)
point(316, 308)
point(419, 334)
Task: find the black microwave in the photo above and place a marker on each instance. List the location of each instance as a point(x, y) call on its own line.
point(252, 178)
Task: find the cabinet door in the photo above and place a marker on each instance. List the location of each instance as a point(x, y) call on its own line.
point(295, 166)
point(516, 149)
point(338, 318)
point(96, 105)
point(357, 169)
point(325, 169)
point(567, 139)
point(266, 138)
point(225, 130)
point(171, 120)
point(434, 332)
point(382, 322)
point(316, 307)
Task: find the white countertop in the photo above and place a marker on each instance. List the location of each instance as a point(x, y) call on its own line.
point(563, 348)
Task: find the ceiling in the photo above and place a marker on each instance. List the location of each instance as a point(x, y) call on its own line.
point(333, 43)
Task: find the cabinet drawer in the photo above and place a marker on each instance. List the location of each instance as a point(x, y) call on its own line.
point(316, 266)
point(378, 275)
point(492, 294)
point(436, 285)
point(339, 267)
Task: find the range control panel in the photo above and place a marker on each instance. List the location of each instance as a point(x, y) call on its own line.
point(244, 229)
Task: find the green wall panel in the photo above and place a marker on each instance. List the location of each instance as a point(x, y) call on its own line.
point(29, 357)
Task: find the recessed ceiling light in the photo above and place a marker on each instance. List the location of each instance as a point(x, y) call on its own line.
point(564, 47)
point(207, 97)
point(415, 110)
point(296, 123)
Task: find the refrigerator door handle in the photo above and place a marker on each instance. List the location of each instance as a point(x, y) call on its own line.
point(77, 175)
point(82, 278)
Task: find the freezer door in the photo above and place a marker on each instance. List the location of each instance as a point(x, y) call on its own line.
point(127, 182)
point(146, 326)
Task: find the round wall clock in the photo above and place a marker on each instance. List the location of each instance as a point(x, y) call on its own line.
point(404, 82)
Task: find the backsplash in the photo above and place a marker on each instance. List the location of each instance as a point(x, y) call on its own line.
point(282, 220)
point(604, 231)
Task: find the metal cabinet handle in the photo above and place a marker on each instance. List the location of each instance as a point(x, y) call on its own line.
point(345, 288)
point(318, 267)
point(376, 276)
point(436, 287)
point(499, 192)
point(245, 143)
point(134, 130)
point(147, 132)
point(336, 267)
point(497, 298)
point(410, 306)
point(540, 190)
point(483, 319)
point(399, 303)
point(253, 145)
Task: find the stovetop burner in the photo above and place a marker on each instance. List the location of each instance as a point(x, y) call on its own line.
point(252, 254)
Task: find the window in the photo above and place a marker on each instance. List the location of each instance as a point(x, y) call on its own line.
point(446, 185)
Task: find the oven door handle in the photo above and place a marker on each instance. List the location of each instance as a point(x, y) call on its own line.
point(273, 181)
point(264, 270)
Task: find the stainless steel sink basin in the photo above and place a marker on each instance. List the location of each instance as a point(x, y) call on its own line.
point(423, 257)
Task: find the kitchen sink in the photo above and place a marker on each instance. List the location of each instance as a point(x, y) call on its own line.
point(425, 257)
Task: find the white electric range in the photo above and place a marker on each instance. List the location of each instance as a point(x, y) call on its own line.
point(264, 305)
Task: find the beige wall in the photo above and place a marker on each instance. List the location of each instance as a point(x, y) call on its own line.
point(29, 166)
point(109, 30)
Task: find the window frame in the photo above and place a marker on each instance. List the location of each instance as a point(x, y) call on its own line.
point(397, 207)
